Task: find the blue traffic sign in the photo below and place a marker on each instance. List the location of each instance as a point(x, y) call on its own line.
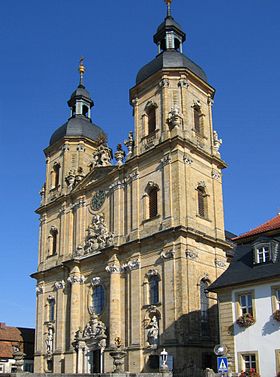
point(222, 364)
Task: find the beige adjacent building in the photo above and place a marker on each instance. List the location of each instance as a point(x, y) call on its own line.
point(128, 246)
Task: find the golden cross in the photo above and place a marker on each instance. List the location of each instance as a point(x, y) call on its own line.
point(168, 3)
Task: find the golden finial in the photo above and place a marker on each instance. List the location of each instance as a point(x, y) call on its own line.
point(81, 70)
point(168, 3)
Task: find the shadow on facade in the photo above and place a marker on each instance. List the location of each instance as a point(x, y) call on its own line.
point(190, 341)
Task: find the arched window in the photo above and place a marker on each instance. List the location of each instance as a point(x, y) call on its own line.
point(55, 176)
point(153, 202)
point(53, 238)
point(154, 294)
point(149, 117)
point(198, 120)
point(98, 299)
point(202, 201)
point(204, 306)
point(85, 110)
point(51, 302)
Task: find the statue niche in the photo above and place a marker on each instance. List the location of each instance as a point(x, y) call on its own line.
point(98, 237)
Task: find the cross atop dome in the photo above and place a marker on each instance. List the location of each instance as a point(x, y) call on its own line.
point(168, 3)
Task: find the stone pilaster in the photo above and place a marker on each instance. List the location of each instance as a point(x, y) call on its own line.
point(115, 299)
point(169, 292)
point(79, 219)
point(166, 185)
point(164, 84)
point(75, 279)
point(60, 319)
point(134, 272)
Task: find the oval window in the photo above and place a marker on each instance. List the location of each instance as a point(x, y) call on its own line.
point(98, 299)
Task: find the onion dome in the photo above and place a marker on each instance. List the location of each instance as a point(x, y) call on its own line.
point(80, 123)
point(169, 38)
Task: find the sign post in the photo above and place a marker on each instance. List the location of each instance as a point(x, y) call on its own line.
point(222, 364)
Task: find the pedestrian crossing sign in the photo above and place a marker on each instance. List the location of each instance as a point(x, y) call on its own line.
point(222, 364)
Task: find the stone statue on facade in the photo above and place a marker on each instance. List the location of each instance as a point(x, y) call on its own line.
point(49, 340)
point(217, 142)
point(102, 156)
point(175, 118)
point(129, 143)
point(95, 332)
point(152, 335)
point(98, 237)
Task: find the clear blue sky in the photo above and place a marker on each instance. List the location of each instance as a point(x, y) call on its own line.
point(237, 44)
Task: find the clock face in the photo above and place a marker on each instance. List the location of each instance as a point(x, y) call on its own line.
point(97, 200)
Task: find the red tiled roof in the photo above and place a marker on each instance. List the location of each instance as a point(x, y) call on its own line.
point(269, 225)
point(15, 336)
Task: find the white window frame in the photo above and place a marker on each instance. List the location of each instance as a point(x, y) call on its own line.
point(263, 252)
point(246, 308)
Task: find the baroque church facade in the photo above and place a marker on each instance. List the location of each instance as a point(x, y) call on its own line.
point(127, 248)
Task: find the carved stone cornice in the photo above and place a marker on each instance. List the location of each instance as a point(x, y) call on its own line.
point(59, 285)
point(74, 279)
point(95, 281)
point(192, 255)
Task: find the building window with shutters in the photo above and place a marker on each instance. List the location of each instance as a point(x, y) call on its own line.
point(248, 361)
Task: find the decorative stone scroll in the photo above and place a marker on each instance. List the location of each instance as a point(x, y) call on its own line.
point(220, 263)
point(191, 255)
point(131, 265)
point(98, 237)
point(216, 174)
point(74, 177)
point(187, 160)
point(167, 254)
point(74, 279)
point(95, 281)
point(59, 285)
point(39, 289)
point(183, 83)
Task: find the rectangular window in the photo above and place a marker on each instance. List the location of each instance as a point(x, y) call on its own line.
point(277, 359)
point(263, 254)
point(245, 302)
point(51, 310)
point(250, 362)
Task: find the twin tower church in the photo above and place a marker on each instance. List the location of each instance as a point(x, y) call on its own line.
point(130, 239)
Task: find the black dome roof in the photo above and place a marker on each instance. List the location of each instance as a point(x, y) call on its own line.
point(81, 91)
point(169, 59)
point(77, 126)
